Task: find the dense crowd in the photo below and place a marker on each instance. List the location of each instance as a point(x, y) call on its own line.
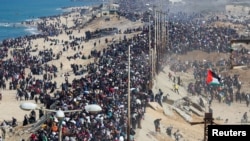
point(103, 85)
point(106, 86)
point(188, 33)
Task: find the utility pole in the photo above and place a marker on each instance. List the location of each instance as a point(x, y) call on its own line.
point(167, 32)
point(152, 62)
point(149, 37)
point(208, 120)
point(160, 38)
point(150, 53)
point(128, 126)
point(155, 40)
point(158, 43)
point(163, 27)
point(164, 36)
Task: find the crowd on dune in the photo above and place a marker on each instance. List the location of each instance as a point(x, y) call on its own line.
point(106, 80)
point(107, 87)
point(199, 34)
point(103, 85)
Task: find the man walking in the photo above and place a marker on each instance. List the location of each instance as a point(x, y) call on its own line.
point(157, 125)
point(176, 88)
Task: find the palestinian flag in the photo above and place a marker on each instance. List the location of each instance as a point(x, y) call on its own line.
point(212, 78)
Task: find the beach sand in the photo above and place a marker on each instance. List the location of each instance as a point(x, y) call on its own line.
point(10, 106)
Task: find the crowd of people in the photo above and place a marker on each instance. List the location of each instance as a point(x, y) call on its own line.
point(107, 87)
point(103, 85)
point(187, 35)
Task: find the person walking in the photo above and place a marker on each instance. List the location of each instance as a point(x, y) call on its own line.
point(26, 120)
point(245, 117)
point(157, 125)
point(176, 88)
point(139, 118)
